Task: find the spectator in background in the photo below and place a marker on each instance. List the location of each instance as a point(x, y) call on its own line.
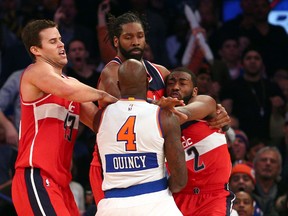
point(240, 147)
point(80, 65)
point(268, 166)
point(244, 204)
point(243, 179)
point(255, 144)
point(230, 55)
point(13, 54)
point(89, 198)
point(66, 18)
point(238, 25)
point(9, 126)
point(177, 41)
point(282, 205)
point(7, 162)
point(86, 72)
point(283, 149)
point(277, 120)
point(209, 18)
point(107, 50)
point(271, 40)
point(205, 83)
point(11, 18)
point(10, 105)
point(34, 9)
point(234, 122)
point(251, 98)
point(280, 75)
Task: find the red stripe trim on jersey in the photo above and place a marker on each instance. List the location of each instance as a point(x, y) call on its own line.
point(39, 100)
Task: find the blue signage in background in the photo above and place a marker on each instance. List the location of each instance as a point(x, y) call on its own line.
point(277, 16)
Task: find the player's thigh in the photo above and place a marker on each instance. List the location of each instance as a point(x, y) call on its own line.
point(33, 191)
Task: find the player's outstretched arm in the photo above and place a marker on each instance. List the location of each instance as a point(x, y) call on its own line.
point(174, 152)
point(199, 107)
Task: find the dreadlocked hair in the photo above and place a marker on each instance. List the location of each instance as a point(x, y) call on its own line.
point(114, 24)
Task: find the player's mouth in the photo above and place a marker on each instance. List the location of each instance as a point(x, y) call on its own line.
point(175, 95)
point(136, 51)
point(62, 53)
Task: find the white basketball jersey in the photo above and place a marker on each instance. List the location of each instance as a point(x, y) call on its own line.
point(130, 144)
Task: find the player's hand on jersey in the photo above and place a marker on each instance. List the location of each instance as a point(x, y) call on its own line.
point(221, 120)
point(107, 99)
point(170, 103)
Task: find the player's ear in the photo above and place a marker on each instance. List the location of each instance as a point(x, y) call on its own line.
point(195, 92)
point(34, 50)
point(116, 42)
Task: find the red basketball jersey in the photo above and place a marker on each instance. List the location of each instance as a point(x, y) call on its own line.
point(207, 156)
point(48, 131)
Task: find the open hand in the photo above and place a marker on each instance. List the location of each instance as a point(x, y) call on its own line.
point(221, 120)
point(170, 103)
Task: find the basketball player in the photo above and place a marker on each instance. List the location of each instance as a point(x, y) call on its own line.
point(127, 34)
point(134, 137)
point(207, 157)
point(51, 106)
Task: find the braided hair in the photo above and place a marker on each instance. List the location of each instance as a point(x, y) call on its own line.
point(114, 24)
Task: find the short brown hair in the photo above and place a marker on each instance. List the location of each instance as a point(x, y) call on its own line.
point(31, 36)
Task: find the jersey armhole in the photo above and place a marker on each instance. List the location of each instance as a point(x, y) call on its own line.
point(159, 123)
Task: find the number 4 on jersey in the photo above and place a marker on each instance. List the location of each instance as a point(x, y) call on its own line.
point(127, 134)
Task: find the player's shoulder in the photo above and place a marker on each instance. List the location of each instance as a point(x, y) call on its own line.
point(164, 71)
point(110, 68)
point(36, 70)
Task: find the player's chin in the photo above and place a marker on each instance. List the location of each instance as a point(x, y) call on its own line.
point(63, 61)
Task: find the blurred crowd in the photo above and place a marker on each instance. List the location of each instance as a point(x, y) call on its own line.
point(247, 74)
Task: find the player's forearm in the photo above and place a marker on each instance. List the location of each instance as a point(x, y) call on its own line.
point(88, 111)
point(79, 92)
point(197, 110)
point(177, 182)
point(199, 107)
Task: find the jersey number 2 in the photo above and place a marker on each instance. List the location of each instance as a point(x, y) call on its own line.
point(197, 166)
point(127, 134)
